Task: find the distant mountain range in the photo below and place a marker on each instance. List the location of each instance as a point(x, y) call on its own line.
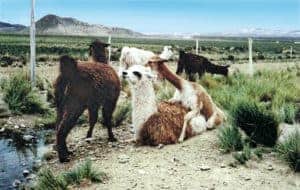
point(55, 25)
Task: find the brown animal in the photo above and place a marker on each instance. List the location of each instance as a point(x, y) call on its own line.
point(191, 95)
point(156, 124)
point(79, 86)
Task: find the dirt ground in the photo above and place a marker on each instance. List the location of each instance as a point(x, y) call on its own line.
point(195, 164)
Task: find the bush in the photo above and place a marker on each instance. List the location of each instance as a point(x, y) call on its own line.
point(20, 97)
point(122, 113)
point(48, 181)
point(243, 156)
point(289, 151)
point(258, 123)
point(230, 139)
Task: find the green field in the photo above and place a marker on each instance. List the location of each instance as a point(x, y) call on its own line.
point(49, 48)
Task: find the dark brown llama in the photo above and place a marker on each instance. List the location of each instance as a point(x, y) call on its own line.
point(193, 64)
point(85, 85)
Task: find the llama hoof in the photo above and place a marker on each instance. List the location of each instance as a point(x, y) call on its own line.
point(112, 139)
point(180, 140)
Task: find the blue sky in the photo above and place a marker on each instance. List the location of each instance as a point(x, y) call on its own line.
point(165, 16)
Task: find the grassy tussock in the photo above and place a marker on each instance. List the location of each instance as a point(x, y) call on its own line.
point(48, 181)
point(20, 96)
point(289, 151)
point(259, 124)
point(230, 139)
point(122, 113)
point(165, 91)
point(244, 156)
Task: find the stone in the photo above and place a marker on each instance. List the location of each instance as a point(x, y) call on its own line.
point(16, 127)
point(2, 129)
point(16, 183)
point(160, 146)
point(28, 138)
point(270, 168)
point(22, 125)
point(123, 159)
point(204, 168)
point(26, 173)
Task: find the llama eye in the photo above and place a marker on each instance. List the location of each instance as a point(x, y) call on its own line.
point(138, 74)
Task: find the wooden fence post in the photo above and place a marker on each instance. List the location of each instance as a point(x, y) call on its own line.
point(109, 48)
point(32, 45)
point(291, 52)
point(197, 46)
point(250, 56)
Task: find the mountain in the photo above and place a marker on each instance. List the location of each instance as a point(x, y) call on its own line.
point(7, 27)
point(55, 25)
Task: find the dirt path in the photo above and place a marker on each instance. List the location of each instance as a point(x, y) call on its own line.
point(195, 164)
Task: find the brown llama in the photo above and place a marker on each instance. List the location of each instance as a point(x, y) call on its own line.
point(191, 95)
point(193, 64)
point(156, 123)
point(85, 85)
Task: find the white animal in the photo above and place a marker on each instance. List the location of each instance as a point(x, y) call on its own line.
point(134, 56)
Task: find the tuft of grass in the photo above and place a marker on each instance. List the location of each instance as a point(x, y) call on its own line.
point(83, 171)
point(122, 113)
point(289, 151)
point(289, 113)
point(258, 152)
point(243, 156)
point(47, 120)
point(258, 123)
point(165, 92)
point(48, 181)
point(230, 139)
point(20, 96)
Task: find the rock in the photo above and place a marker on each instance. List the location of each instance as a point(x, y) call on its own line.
point(285, 130)
point(16, 127)
point(160, 146)
point(28, 138)
point(16, 183)
point(223, 166)
point(26, 173)
point(22, 126)
point(175, 159)
point(247, 178)
point(2, 129)
point(204, 168)
point(270, 168)
point(123, 159)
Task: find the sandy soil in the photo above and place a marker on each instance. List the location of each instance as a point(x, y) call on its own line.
point(195, 164)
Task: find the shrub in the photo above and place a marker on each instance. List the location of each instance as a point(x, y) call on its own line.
point(230, 139)
point(243, 156)
point(165, 92)
point(122, 113)
point(48, 181)
point(289, 113)
point(20, 97)
point(259, 124)
point(259, 152)
point(289, 151)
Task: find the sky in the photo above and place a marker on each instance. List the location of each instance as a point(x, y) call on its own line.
point(165, 16)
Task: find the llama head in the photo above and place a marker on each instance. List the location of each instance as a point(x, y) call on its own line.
point(138, 74)
point(155, 64)
point(167, 53)
point(98, 51)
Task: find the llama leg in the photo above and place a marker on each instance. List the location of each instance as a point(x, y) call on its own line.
point(107, 111)
point(69, 120)
point(192, 77)
point(187, 118)
point(93, 117)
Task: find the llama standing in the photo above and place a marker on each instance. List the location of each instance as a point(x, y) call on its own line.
point(134, 56)
point(156, 124)
point(192, 64)
point(89, 85)
point(190, 95)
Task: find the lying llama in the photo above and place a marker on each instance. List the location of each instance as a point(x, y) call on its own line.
point(134, 56)
point(156, 124)
point(81, 86)
point(192, 64)
point(191, 95)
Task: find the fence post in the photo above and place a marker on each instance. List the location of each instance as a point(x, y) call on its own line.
point(197, 46)
point(250, 57)
point(32, 45)
point(109, 48)
point(291, 52)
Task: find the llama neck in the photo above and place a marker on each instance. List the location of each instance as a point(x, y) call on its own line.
point(143, 103)
point(170, 76)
